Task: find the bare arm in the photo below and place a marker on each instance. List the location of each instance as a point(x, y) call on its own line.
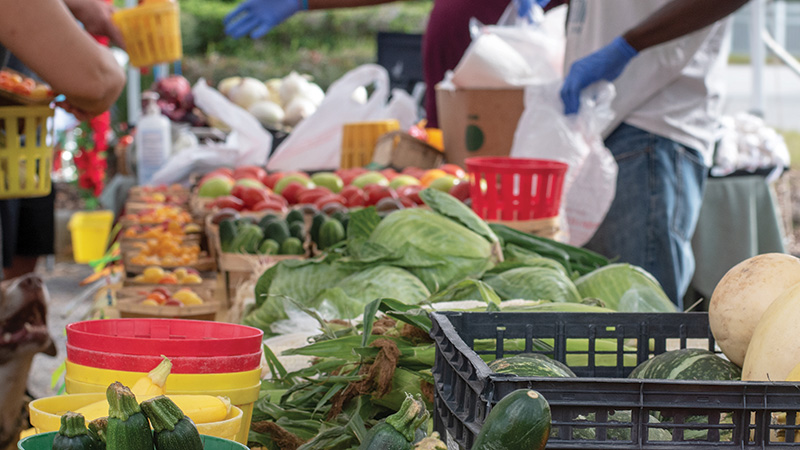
point(95, 15)
point(679, 18)
point(46, 38)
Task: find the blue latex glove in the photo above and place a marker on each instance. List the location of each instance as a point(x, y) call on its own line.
point(524, 6)
point(604, 64)
point(257, 17)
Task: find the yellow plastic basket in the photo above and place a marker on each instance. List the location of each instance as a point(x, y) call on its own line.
point(151, 31)
point(359, 139)
point(26, 151)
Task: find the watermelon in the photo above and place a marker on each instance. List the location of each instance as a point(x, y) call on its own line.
point(531, 365)
point(688, 364)
point(614, 433)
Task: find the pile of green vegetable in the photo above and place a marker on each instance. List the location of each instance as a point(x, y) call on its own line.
point(271, 235)
point(445, 253)
point(128, 424)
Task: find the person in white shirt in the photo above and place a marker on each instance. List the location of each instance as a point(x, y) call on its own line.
point(665, 58)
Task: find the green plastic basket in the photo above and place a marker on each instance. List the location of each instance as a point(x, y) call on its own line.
point(44, 441)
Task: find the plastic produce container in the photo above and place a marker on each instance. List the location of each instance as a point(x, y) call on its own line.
point(45, 415)
point(168, 337)
point(44, 441)
point(359, 139)
point(180, 364)
point(151, 31)
point(601, 409)
point(90, 232)
point(515, 189)
point(26, 151)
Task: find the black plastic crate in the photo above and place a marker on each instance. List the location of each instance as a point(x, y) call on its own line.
point(602, 409)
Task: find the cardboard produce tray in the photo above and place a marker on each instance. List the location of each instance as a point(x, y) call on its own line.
point(602, 409)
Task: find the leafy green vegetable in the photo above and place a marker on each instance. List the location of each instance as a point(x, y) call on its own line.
point(467, 290)
point(626, 288)
point(534, 283)
point(454, 209)
point(434, 248)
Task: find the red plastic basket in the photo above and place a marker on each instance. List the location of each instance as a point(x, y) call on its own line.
point(173, 337)
point(508, 189)
point(180, 364)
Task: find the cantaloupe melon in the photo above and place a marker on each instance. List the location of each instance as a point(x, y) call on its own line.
point(742, 296)
point(774, 349)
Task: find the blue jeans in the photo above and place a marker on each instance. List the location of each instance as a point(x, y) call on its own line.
point(653, 216)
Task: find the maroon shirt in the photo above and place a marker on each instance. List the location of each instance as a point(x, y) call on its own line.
point(447, 38)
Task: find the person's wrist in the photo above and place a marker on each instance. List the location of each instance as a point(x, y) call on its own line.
point(624, 48)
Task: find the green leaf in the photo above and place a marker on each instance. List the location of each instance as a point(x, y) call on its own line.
point(467, 290)
point(275, 366)
point(362, 223)
point(454, 209)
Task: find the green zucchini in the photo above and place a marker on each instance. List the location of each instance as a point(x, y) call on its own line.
point(316, 224)
point(128, 428)
point(330, 233)
point(73, 434)
point(172, 429)
point(292, 246)
point(278, 230)
point(97, 429)
point(227, 232)
point(520, 420)
point(397, 432)
point(298, 230)
point(295, 215)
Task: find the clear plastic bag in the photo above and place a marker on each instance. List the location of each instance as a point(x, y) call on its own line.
point(544, 132)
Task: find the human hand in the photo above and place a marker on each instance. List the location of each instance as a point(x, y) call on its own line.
point(604, 64)
point(257, 17)
point(79, 114)
point(95, 15)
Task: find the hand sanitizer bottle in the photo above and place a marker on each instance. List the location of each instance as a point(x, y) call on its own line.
point(153, 139)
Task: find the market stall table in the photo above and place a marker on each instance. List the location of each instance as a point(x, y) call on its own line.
point(739, 219)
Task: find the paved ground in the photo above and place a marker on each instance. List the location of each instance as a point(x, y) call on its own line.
point(69, 302)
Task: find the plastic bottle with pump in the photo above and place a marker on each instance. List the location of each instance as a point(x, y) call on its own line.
point(153, 139)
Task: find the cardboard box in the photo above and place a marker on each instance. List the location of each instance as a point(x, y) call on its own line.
point(478, 122)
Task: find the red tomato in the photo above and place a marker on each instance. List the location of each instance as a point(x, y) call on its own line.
point(269, 204)
point(415, 172)
point(272, 179)
point(254, 172)
point(354, 196)
point(454, 170)
point(412, 192)
point(291, 191)
point(348, 175)
point(228, 201)
point(407, 202)
point(376, 192)
point(330, 198)
point(460, 191)
point(389, 173)
point(278, 198)
point(310, 196)
point(250, 196)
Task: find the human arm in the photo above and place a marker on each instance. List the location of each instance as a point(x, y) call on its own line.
point(675, 19)
point(95, 15)
point(46, 38)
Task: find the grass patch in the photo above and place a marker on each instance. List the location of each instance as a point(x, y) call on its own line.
point(792, 139)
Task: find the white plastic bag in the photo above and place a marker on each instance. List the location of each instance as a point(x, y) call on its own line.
point(515, 52)
point(316, 144)
point(544, 132)
point(247, 144)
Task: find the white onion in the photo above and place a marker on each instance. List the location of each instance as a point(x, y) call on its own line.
point(248, 91)
point(274, 88)
point(313, 93)
point(224, 86)
point(297, 110)
point(269, 113)
point(292, 85)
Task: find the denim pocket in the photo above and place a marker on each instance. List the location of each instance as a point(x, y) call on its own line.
point(690, 175)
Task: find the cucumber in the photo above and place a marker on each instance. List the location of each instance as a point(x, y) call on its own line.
point(266, 220)
point(227, 232)
point(277, 230)
point(330, 233)
point(520, 420)
point(298, 230)
point(295, 215)
point(316, 224)
point(269, 247)
point(292, 246)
